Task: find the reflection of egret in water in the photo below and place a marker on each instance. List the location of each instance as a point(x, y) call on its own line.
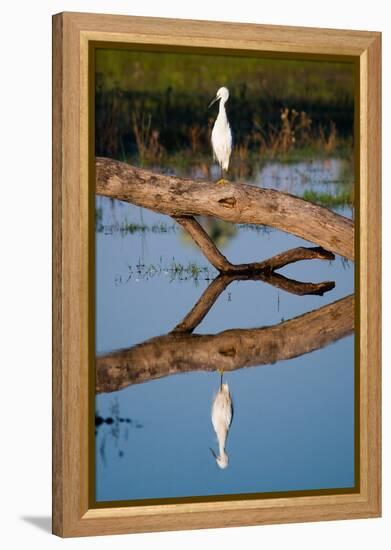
point(222, 413)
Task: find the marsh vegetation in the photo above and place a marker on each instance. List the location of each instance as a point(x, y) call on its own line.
point(151, 111)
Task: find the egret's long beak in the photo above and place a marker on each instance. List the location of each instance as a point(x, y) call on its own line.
point(213, 101)
point(213, 453)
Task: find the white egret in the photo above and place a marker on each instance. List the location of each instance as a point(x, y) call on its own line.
point(221, 133)
point(222, 412)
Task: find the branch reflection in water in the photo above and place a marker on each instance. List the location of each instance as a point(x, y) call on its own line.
point(181, 351)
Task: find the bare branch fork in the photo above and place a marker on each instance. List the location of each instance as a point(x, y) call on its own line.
point(233, 202)
point(220, 262)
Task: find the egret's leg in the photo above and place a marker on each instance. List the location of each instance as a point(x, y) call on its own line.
point(221, 371)
point(221, 180)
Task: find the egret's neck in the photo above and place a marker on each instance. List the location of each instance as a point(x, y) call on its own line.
point(223, 455)
point(222, 107)
point(222, 439)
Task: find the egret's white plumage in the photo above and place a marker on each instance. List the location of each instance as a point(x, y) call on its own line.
point(221, 133)
point(221, 419)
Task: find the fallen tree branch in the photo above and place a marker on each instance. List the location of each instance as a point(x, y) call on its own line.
point(229, 350)
point(205, 243)
point(232, 202)
point(220, 262)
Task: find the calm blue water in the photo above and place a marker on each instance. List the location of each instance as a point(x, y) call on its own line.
point(293, 427)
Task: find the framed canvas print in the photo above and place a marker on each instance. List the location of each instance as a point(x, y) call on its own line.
point(216, 274)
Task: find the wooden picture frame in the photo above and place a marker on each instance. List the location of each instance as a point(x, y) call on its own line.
point(73, 33)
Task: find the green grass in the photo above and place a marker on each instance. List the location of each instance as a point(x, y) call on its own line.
point(175, 271)
point(194, 74)
point(132, 228)
point(343, 198)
